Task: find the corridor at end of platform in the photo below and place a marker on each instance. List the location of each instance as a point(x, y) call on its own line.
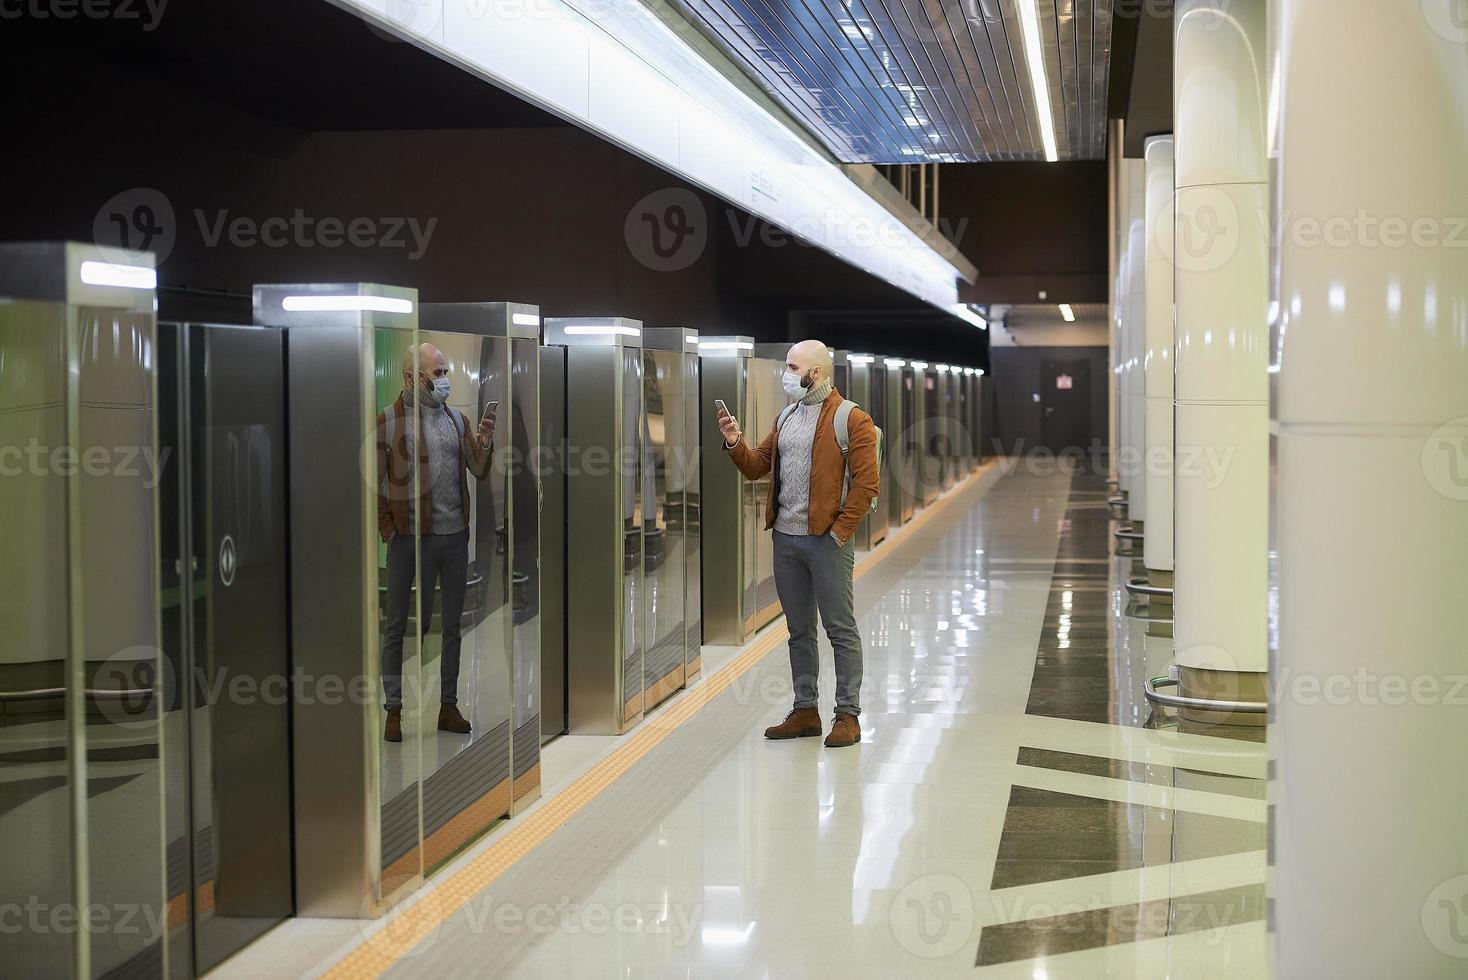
point(1014, 808)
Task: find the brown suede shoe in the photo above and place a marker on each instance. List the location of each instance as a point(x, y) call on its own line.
point(845, 730)
point(392, 731)
point(449, 720)
point(800, 723)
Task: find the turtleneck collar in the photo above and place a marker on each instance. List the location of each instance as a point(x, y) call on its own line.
point(818, 393)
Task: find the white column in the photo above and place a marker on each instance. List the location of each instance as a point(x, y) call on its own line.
point(1136, 328)
point(1370, 786)
point(1222, 388)
point(1125, 450)
point(1114, 149)
point(1157, 359)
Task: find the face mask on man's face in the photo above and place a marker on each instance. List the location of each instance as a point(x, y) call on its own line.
point(439, 393)
point(794, 384)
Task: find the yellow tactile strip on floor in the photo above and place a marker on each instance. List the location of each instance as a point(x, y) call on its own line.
point(423, 915)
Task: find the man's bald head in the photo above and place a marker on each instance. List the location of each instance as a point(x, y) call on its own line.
point(430, 362)
point(810, 356)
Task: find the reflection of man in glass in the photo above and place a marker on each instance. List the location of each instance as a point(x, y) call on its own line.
point(445, 448)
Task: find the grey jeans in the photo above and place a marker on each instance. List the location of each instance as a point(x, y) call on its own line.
point(445, 559)
point(813, 572)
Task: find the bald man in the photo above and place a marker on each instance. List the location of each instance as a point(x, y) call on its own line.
point(446, 447)
point(813, 511)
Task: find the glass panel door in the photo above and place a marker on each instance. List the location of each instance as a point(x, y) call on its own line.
point(36, 753)
point(399, 373)
point(662, 509)
point(526, 494)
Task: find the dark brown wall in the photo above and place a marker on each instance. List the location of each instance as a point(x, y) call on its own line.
point(533, 214)
point(1031, 226)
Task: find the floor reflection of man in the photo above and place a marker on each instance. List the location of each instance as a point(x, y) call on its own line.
point(446, 448)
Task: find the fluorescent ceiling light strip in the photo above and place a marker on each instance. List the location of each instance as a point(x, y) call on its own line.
point(895, 362)
point(598, 330)
point(525, 319)
point(346, 304)
point(667, 103)
point(860, 358)
point(1035, 54)
point(117, 274)
point(920, 365)
point(692, 341)
point(1068, 313)
point(725, 345)
point(942, 367)
point(968, 316)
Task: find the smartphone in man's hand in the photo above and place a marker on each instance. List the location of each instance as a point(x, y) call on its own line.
point(728, 425)
point(485, 433)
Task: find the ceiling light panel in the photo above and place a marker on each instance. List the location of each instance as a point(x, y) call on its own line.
point(922, 81)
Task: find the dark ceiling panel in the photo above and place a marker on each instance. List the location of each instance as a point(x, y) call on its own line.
point(922, 81)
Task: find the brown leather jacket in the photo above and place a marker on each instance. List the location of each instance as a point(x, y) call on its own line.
point(393, 487)
point(826, 471)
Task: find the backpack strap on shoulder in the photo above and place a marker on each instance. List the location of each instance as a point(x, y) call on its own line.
point(843, 439)
point(843, 425)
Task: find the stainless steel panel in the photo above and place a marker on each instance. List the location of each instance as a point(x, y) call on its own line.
point(841, 372)
point(550, 460)
point(334, 629)
point(226, 638)
point(604, 528)
point(947, 447)
point(81, 672)
point(913, 443)
point(869, 390)
point(896, 423)
point(879, 520)
point(331, 377)
point(693, 513)
point(116, 546)
point(986, 418)
point(975, 414)
point(930, 461)
point(859, 390)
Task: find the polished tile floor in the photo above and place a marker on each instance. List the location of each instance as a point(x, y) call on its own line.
point(1014, 808)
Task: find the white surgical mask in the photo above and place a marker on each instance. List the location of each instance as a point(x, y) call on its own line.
point(440, 392)
point(792, 383)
